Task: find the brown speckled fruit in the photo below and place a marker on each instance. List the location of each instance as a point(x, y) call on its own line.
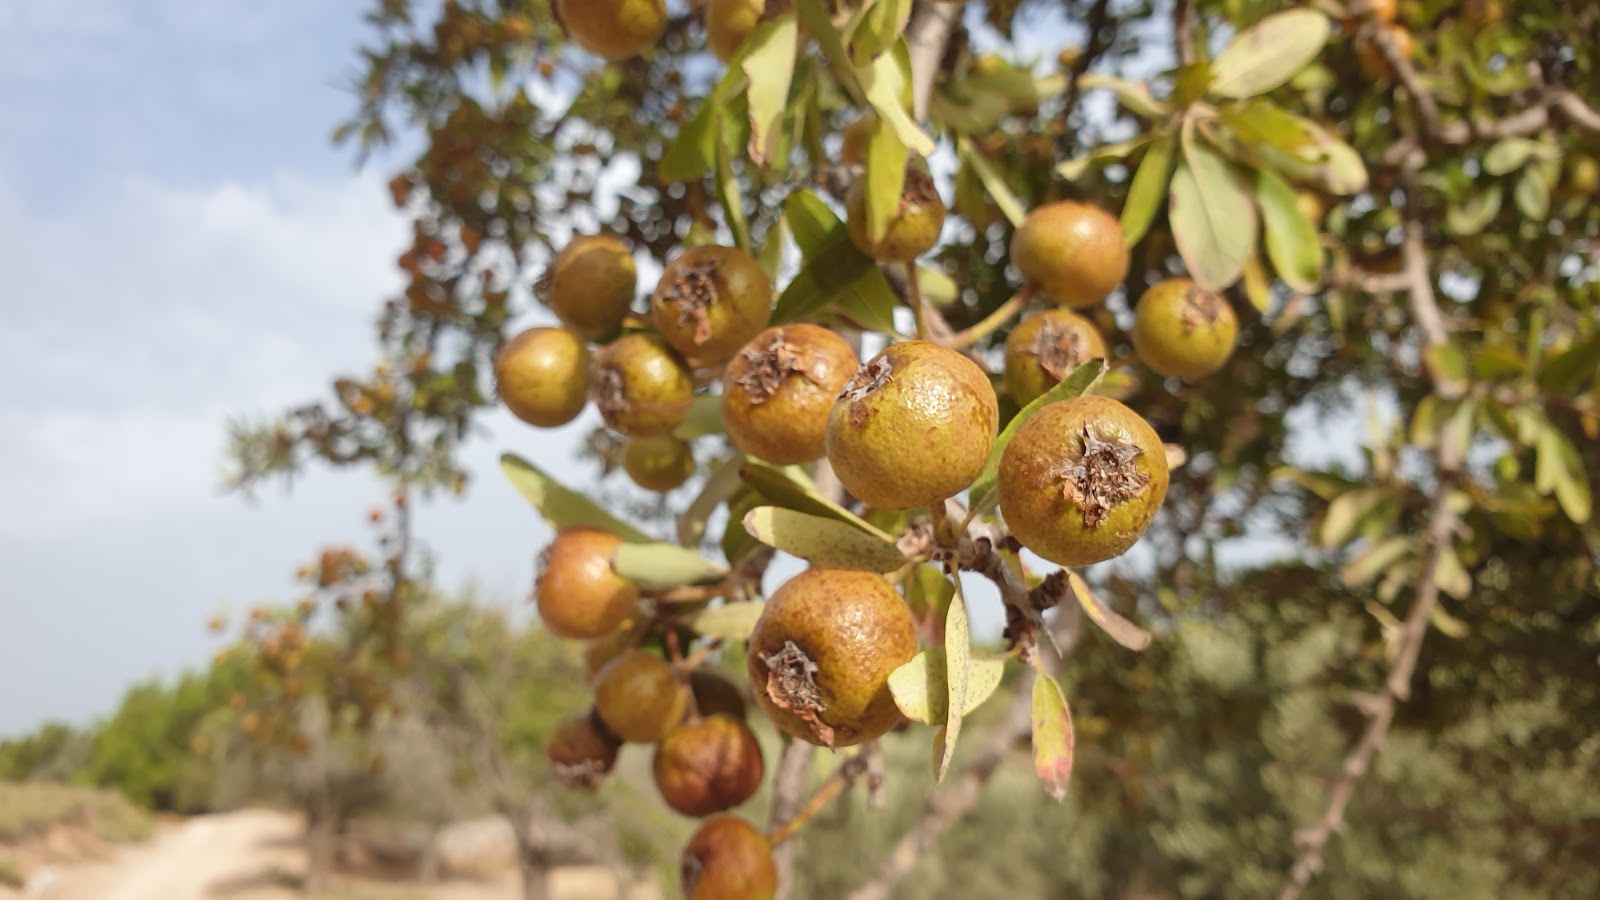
point(590, 285)
point(728, 859)
point(913, 426)
point(613, 29)
point(578, 594)
point(1072, 251)
point(710, 301)
point(639, 698)
point(716, 695)
point(915, 227)
point(582, 752)
point(778, 390)
point(821, 655)
point(1042, 349)
point(729, 23)
point(1081, 480)
point(1182, 330)
point(641, 386)
point(708, 765)
point(542, 376)
point(658, 463)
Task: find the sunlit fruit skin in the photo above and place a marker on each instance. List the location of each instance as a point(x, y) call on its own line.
point(1081, 480)
point(542, 376)
point(1073, 251)
point(1042, 349)
point(915, 228)
point(710, 301)
point(728, 859)
point(582, 752)
point(578, 594)
point(708, 765)
point(639, 698)
point(641, 386)
point(613, 29)
point(658, 463)
point(1182, 330)
point(821, 655)
point(729, 23)
point(590, 286)
point(913, 427)
point(716, 695)
point(778, 389)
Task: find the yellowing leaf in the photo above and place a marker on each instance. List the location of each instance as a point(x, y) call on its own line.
point(791, 489)
point(994, 182)
point(1559, 470)
point(825, 542)
point(921, 686)
point(1148, 189)
point(886, 175)
point(958, 663)
point(1213, 219)
point(659, 566)
point(1133, 96)
point(560, 506)
point(1052, 735)
point(884, 84)
point(876, 28)
point(1269, 53)
point(768, 62)
point(731, 621)
point(1110, 621)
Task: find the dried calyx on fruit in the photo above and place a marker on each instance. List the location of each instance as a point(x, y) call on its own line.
point(777, 392)
point(710, 301)
point(583, 752)
point(577, 592)
point(1072, 251)
point(1182, 330)
point(916, 224)
point(1042, 349)
point(728, 859)
point(613, 29)
point(708, 765)
point(590, 286)
point(542, 376)
point(638, 697)
point(641, 386)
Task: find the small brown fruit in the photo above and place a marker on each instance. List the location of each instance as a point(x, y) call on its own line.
point(1042, 349)
point(778, 390)
point(641, 386)
point(639, 698)
point(856, 137)
point(1081, 480)
point(582, 752)
point(729, 23)
point(821, 655)
point(727, 859)
point(1182, 330)
point(542, 376)
point(915, 227)
point(913, 427)
point(613, 29)
point(578, 594)
point(708, 765)
point(716, 695)
point(590, 285)
point(658, 463)
point(1072, 251)
point(710, 301)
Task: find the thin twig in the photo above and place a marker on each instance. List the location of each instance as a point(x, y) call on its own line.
point(842, 778)
point(1098, 17)
point(1183, 31)
point(991, 323)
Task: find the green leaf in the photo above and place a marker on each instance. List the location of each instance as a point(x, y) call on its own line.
point(1513, 153)
point(1574, 367)
point(1134, 97)
point(958, 668)
point(1451, 576)
point(1213, 219)
point(1476, 213)
point(1345, 513)
point(994, 181)
point(921, 686)
point(876, 28)
point(1559, 469)
point(1269, 53)
point(886, 176)
point(1110, 621)
point(938, 289)
point(885, 85)
point(692, 154)
point(1532, 194)
point(1052, 735)
point(660, 566)
point(1148, 189)
point(728, 189)
point(769, 58)
point(721, 485)
point(1446, 362)
point(791, 489)
point(561, 506)
point(985, 492)
point(835, 274)
point(825, 542)
point(1292, 242)
point(927, 590)
point(1105, 154)
point(704, 418)
point(1255, 123)
point(1373, 560)
point(730, 621)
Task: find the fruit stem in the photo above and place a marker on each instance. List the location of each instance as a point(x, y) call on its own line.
point(991, 323)
point(698, 658)
point(842, 777)
point(919, 308)
point(946, 533)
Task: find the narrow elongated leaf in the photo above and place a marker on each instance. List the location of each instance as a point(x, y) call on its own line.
point(660, 566)
point(730, 621)
point(985, 492)
point(1110, 621)
point(1344, 515)
point(958, 662)
point(1292, 243)
point(1135, 97)
point(835, 275)
point(825, 542)
point(1213, 219)
point(1373, 561)
point(728, 189)
point(791, 489)
point(561, 506)
point(1148, 189)
point(1476, 213)
point(1269, 53)
point(876, 29)
point(1052, 735)
point(721, 485)
point(1513, 153)
point(1451, 576)
point(1559, 470)
point(884, 83)
point(993, 182)
point(886, 176)
point(769, 58)
point(921, 686)
point(693, 152)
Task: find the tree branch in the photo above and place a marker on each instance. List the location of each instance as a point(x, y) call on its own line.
point(927, 35)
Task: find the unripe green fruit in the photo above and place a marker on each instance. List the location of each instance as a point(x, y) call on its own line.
point(913, 231)
point(613, 29)
point(639, 698)
point(710, 301)
point(641, 386)
point(729, 23)
point(821, 655)
point(658, 463)
point(1042, 349)
point(778, 390)
point(578, 593)
point(1081, 480)
point(1182, 330)
point(913, 427)
point(590, 285)
point(727, 859)
point(582, 752)
point(708, 765)
point(1072, 251)
point(542, 376)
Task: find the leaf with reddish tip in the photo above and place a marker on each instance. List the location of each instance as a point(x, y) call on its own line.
point(1121, 630)
point(1052, 735)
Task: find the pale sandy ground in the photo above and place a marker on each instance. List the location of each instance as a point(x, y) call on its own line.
point(251, 855)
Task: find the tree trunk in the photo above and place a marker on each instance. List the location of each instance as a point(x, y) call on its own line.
point(534, 868)
point(321, 830)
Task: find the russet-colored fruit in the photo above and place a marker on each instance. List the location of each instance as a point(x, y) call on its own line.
point(729, 23)
point(658, 463)
point(708, 765)
point(916, 224)
point(582, 752)
point(821, 655)
point(542, 376)
point(1072, 251)
point(728, 859)
point(590, 285)
point(578, 594)
point(1081, 480)
point(777, 392)
point(613, 29)
point(638, 697)
point(1182, 330)
point(710, 301)
point(913, 427)
point(641, 386)
point(1042, 349)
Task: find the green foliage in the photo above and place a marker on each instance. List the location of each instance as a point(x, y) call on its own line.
point(27, 809)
